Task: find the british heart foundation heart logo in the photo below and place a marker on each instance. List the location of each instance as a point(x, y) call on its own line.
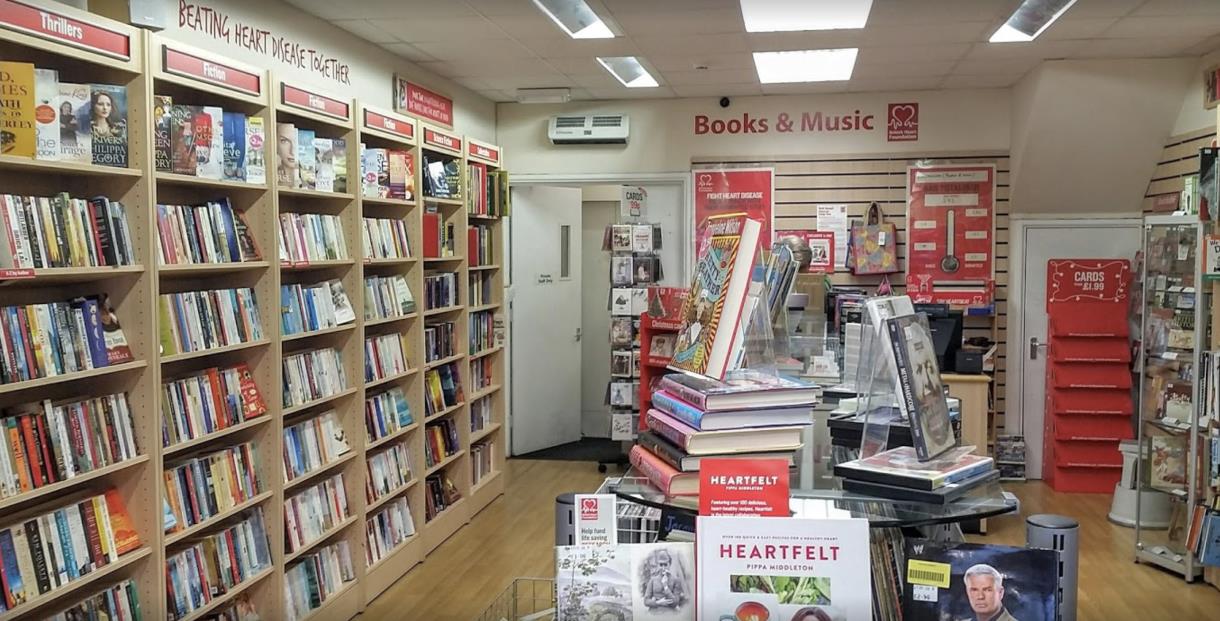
point(588, 508)
point(902, 122)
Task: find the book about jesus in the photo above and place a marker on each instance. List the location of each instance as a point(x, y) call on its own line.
point(712, 311)
point(968, 581)
point(108, 124)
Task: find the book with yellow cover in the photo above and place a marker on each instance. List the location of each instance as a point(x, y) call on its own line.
point(18, 131)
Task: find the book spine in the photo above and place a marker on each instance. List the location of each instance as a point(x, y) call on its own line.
point(663, 429)
point(685, 393)
point(684, 412)
point(906, 396)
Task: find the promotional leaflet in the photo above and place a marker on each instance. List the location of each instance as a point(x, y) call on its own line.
point(821, 246)
point(951, 234)
point(781, 569)
point(833, 219)
point(757, 487)
point(633, 202)
point(735, 190)
point(596, 519)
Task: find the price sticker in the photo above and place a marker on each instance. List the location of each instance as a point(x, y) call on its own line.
point(928, 573)
point(923, 593)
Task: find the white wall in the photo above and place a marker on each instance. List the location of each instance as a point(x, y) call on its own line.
point(371, 68)
point(1193, 115)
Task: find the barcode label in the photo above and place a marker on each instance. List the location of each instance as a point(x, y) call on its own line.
point(928, 573)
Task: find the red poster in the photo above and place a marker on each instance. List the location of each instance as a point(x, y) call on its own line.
point(735, 190)
point(1087, 280)
point(951, 234)
point(821, 249)
point(756, 487)
point(421, 102)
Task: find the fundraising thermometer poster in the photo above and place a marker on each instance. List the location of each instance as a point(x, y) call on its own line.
point(951, 234)
point(735, 190)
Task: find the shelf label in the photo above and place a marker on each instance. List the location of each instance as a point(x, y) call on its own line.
point(314, 102)
point(423, 103)
point(190, 66)
point(381, 122)
point(442, 140)
point(15, 274)
point(483, 152)
point(63, 29)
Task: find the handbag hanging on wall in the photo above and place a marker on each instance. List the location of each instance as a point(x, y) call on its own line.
point(873, 244)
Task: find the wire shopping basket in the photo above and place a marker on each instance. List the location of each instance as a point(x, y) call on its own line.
point(526, 599)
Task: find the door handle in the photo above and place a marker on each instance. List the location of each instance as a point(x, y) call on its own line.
point(577, 335)
point(1033, 347)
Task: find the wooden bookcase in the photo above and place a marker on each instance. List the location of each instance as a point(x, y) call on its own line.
point(148, 65)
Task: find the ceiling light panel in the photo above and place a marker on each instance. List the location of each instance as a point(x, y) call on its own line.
point(628, 70)
point(576, 18)
point(799, 15)
point(805, 65)
point(1030, 20)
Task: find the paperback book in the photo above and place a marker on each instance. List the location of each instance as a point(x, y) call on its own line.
point(641, 582)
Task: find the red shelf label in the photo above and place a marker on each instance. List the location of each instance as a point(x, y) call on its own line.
point(187, 65)
point(487, 153)
point(60, 28)
point(314, 102)
point(442, 140)
point(15, 274)
point(381, 122)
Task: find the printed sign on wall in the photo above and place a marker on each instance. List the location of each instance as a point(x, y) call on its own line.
point(735, 190)
point(951, 234)
point(426, 104)
point(634, 201)
point(1087, 280)
point(821, 246)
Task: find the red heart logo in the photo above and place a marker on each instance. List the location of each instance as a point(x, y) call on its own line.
point(902, 115)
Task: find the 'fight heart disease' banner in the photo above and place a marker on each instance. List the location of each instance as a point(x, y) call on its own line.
point(951, 234)
point(735, 190)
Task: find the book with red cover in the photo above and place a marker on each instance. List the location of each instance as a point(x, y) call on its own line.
point(126, 538)
point(664, 476)
point(252, 400)
point(472, 246)
point(432, 234)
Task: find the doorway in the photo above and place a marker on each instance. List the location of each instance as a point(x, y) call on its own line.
point(1040, 241)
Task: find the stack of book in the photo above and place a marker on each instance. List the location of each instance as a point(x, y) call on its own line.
point(116, 602)
point(61, 231)
point(442, 176)
point(482, 373)
point(208, 401)
point(480, 461)
point(308, 308)
point(480, 288)
point(387, 173)
point(388, 471)
point(440, 290)
point(312, 444)
point(316, 577)
point(749, 415)
point(208, 142)
point(213, 232)
point(478, 244)
point(440, 442)
point(310, 514)
point(386, 297)
point(898, 474)
point(386, 238)
point(386, 413)
point(387, 529)
point(54, 338)
point(439, 494)
point(482, 331)
point(216, 564)
point(438, 235)
point(439, 340)
point(480, 415)
point(442, 389)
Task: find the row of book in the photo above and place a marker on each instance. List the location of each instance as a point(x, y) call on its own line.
point(46, 443)
point(481, 460)
point(311, 237)
point(216, 564)
point(386, 413)
point(386, 238)
point(316, 577)
point(311, 444)
point(482, 331)
point(387, 173)
point(388, 472)
point(63, 121)
point(194, 321)
point(487, 192)
point(439, 494)
point(62, 231)
point(481, 288)
point(312, 307)
point(49, 551)
point(213, 232)
point(439, 237)
point(387, 296)
point(120, 602)
point(385, 355)
point(1203, 535)
point(442, 389)
point(387, 529)
point(203, 487)
point(55, 338)
point(442, 176)
point(313, 375)
point(480, 414)
point(440, 340)
point(440, 290)
point(478, 244)
point(208, 401)
point(208, 142)
point(481, 373)
point(440, 441)
point(309, 514)
point(312, 162)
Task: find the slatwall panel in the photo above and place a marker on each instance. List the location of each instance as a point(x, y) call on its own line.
point(1179, 160)
point(803, 182)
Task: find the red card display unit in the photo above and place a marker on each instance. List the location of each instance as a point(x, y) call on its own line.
point(1088, 369)
point(664, 317)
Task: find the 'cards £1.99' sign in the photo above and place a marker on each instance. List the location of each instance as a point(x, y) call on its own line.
point(901, 123)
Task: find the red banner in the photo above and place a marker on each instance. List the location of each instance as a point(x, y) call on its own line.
point(423, 103)
point(483, 152)
point(735, 190)
point(63, 29)
point(757, 487)
point(381, 122)
point(951, 234)
point(194, 67)
point(442, 140)
point(1087, 280)
point(321, 104)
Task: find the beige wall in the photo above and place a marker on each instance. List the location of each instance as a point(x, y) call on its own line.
point(1193, 115)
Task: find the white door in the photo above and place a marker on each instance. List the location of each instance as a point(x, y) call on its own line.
point(1065, 239)
point(546, 317)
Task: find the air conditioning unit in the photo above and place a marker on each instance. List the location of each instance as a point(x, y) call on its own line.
point(588, 129)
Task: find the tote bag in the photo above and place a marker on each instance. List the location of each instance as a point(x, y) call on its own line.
point(873, 244)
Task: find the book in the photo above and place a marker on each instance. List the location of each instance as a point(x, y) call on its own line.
point(386, 413)
point(385, 238)
point(310, 237)
point(1167, 462)
point(46, 114)
point(208, 401)
point(210, 319)
point(182, 137)
point(964, 580)
point(387, 529)
point(1209, 545)
point(313, 375)
point(108, 124)
point(286, 156)
point(324, 158)
point(315, 577)
point(256, 157)
point(307, 159)
point(712, 311)
point(712, 420)
point(667, 452)
point(18, 131)
point(373, 184)
point(209, 148)
point(163, 149)
point(340, 163)
point(749, 440)
point(234, 168)
point(951, 492)
point(75, 135)
point(126, 537)
point(741, 389)
point(312, 444)
point(400, 174)
point(921, 394)
point(901, 467)
point(640, 581)
point(662, 474)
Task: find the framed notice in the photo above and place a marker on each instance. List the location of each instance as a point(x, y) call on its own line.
point(735, 190)
point(951, 234)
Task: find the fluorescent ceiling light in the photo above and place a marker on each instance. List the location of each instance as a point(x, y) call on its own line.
point(576, 18)
point(805, 65)
point(543, 95)
point(1030, 20)
point(794, 15)
point(628, 70)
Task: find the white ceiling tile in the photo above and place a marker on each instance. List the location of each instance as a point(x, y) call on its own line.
point(914, 53)
point(574, 65)
point(455, 49)
point(383, 9)
point(692, 44)
point(804, 88)
point(898, 70)
point(1037, 49)
point(1178, 7)
point(1017, 66)
point(717, 90)
point(492, 68)
point(496, 95)
point(528, 26)
point(1137, 48)
point(366, 30)
point(709, 77)
point(670, 23)
point(922, 34)
point(906, 12)
point(584, 48)
point(1102, 8)
point(601, 79)
point(502, 8)
point(474, 84)
point(510, 84)
point(1204, 48)
point(408, 51)
point(894, 84)
point(813, 40)
point(677, 62)
point(995, 80)
point(1161, 26)
point(1082, 28)
point(414, 30)
point(617, 7)
point(622, 92)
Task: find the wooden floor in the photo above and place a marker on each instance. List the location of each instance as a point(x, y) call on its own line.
point(514, 537)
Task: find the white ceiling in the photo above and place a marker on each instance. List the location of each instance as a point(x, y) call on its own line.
point(497, 46)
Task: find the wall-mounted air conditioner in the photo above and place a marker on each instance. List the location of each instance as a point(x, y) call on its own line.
point(588, 129)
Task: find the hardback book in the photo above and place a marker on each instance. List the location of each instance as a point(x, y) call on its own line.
point(715, 420)
point(163, 142)
point(108, 124)
point(75, 135)
point(667, 452)
point(1168, 462)
point(286, 156)
point(620, 238)
point(784, 569)
point(743, 389)
point(967, 581)
point(18, 130)
point(182, 135)
point(750, 440)
point(234, 146)
point(369, 167)
point(710, 317)
point(307, 160)
point(209, 142)
point(340, 163)
point(900, 467)
point(118, 350)
point(670, 480)
point(46, 114)
point(943, 495)
point(324, 157)
point(921, 394)
point(637, 581)
point(1209, 545)
point(399, 172)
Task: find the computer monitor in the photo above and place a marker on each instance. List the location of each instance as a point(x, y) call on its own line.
point(946, 327)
